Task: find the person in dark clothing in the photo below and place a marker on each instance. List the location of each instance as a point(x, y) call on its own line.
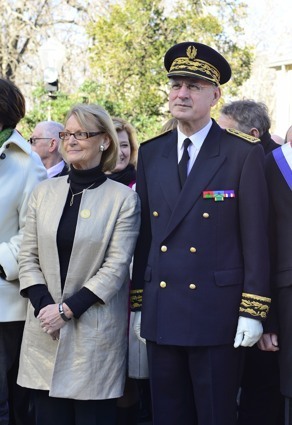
point(125, 173)
point(200, 285)
point(249, 117)
point(134, 405)
point(260, 400)
point(125, 168)
point(279, 177)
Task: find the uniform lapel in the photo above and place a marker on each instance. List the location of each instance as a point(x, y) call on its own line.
point(168, 171)
point(208, 162)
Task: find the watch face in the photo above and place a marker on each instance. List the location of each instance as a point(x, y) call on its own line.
point(50, 75)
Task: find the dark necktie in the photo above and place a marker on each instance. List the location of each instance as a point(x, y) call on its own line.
point(183, 163)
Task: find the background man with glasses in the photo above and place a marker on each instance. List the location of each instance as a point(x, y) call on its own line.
point(45, 141)
point(201, 262)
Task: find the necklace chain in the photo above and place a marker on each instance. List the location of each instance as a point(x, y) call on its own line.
point(78, 193)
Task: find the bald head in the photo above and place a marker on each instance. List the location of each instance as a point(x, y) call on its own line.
point(46, 135)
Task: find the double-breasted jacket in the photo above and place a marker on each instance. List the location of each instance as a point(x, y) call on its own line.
point(202, 255)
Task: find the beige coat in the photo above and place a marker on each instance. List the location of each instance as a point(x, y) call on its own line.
point(88, 361)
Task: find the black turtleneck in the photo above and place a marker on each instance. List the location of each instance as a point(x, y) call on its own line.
point(125, 176)
point(79, 180)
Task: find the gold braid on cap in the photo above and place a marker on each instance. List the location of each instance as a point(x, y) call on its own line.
point(186, 65)
point(190, 64)
point(254, 306)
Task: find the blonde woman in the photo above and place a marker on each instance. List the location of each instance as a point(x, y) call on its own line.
point(74, 268)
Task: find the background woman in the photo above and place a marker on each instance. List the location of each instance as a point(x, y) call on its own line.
point(125, 168)
point(135, 403)
point(74, 267)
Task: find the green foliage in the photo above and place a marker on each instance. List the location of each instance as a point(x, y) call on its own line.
point(129, 43)
point(46, 108)
point(128, 46)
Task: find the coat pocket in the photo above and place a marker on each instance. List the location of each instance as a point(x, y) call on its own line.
point(229, 277)
point(148, 274)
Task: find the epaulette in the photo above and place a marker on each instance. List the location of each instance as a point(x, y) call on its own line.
point(156, 137)
point(244, 136)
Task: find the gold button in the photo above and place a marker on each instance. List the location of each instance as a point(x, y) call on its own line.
point(162, 284)
point(206, 215)
point(163, 248)
point(155, 213)
point(192, 286)
point(193, 249)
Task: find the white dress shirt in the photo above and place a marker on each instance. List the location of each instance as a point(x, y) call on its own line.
point(197, 140)
point(56, 169)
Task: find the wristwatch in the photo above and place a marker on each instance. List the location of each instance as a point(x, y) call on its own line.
point(62, 314)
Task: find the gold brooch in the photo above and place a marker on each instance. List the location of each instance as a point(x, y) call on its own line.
point(85, 213)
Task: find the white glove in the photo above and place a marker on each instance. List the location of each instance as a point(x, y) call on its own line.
point(137, 326)
point(248, 332)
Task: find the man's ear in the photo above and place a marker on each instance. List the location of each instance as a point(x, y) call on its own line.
point(216, 96)
point(53, 145)
point(254, 132)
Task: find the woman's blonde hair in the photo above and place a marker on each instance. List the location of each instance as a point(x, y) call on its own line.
point(97, 116)
point(120, 124)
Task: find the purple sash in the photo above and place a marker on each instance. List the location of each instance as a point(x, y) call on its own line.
point(281, 154)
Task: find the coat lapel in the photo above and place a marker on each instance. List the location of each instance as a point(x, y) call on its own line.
point(207, 163)
point(168, 171)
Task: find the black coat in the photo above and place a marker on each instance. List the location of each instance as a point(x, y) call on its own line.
point(200, 263)
point(268, 143)
point(281, 249)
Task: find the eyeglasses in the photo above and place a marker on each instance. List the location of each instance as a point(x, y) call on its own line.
point(79, 135)
point(33, 140)
point(176, 85)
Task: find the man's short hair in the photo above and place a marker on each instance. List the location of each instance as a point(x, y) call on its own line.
point(248, 114)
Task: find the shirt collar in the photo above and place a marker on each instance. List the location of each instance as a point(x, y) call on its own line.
point(56, 169)
point(197, 138)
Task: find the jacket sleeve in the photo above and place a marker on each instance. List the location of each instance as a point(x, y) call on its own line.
point(32, 174)
point(143, 242)
point(115, 267)
point(253, 210)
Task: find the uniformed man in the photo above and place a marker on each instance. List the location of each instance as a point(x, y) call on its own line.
point(201, 262)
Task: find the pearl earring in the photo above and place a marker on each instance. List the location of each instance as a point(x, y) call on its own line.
point(101, 148)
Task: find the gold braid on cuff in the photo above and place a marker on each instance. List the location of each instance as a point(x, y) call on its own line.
point(136, 298)
point(255, 306)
